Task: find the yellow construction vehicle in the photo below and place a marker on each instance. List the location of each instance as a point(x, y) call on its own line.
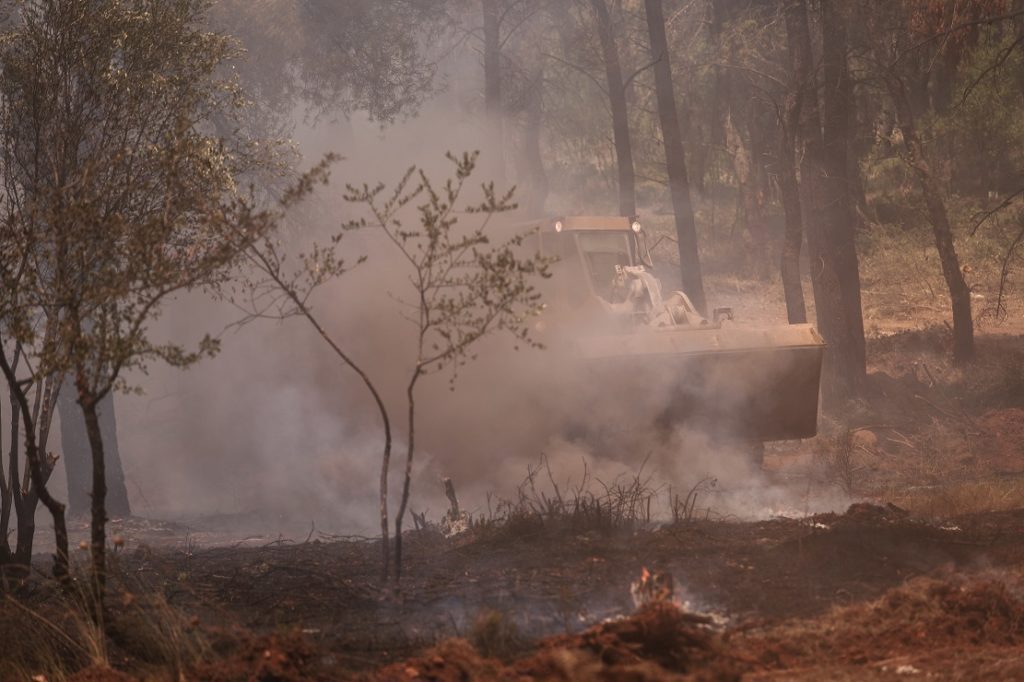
point(751, 383)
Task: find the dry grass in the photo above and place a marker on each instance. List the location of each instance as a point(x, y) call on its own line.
point(52, 642)
point(940, 502)
point(162, 638)
point(684, 508)
point(57, 635)
point(839, 460)
point(901, 276)
point(624, 504)
point(495, 635)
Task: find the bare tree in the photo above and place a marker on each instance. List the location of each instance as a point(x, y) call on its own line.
point(276, 288)
point(916, 157)
point(899, 60)
point(463, 287)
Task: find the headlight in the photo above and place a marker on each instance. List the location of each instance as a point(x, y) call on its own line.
point(558, 226)
point(636, 226)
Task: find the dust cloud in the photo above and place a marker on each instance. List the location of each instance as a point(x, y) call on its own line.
point(275, 433)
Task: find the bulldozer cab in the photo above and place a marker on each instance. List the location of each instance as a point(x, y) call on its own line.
point(591, 253)
point(603, 273)
point(604, 254)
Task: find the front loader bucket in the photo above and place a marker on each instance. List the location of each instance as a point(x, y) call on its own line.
point(758, 384)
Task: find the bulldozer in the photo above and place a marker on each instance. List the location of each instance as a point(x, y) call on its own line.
point(605, 306)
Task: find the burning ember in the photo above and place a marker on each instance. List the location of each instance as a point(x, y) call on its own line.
point(652, 587)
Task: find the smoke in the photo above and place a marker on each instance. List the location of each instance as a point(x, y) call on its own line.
point(277, 429)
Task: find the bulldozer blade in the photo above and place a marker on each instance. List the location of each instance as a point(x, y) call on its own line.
point(757, 384)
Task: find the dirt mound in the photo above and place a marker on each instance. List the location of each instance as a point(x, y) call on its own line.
point(452, 660)
point(660, 641)
point(278, 658)
point(866, 514)
point(985, 610)
point(660, 632)
point(924, 614)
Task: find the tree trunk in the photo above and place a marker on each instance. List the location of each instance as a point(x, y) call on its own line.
point(75, 450)
point(24, 499)
point(757, 225)
point(620, 112)
point(532, 162)
point(789, 187)
point(77, 454)
point(39, 477)
point(838, 106)
point(492, 89)
point(98, 525)
point(675, 159)
point(385, 464)
point(840, 382)
point(26, 528)
point(410, 396)
point(716, 18)
point(959, 292)
point(789, 190)
point(749, 195)
point(39, 473)
point(117, 491)
point(9, 485)
point(28, 496)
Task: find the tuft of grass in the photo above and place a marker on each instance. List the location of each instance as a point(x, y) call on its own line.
point(684, 508)
point(52, 643)
point(57, 635)
point(838, 458)
point(495, 635)
point(591, 505)
point(158, 635)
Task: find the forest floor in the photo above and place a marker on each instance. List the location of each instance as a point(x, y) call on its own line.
point(922, 576)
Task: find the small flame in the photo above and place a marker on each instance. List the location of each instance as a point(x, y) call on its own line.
point(652, 587)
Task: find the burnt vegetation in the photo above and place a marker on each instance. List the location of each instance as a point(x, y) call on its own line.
point(367, 212)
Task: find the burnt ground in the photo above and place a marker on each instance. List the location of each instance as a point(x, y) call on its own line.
point(781, 592)
point(923, 577)
point(550, 581)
